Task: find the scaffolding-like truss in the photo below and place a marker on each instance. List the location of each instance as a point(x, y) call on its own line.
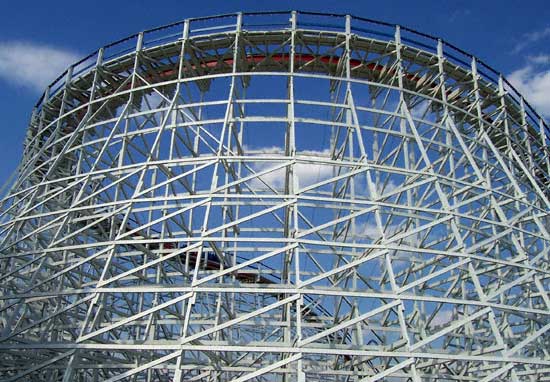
point(283, 196)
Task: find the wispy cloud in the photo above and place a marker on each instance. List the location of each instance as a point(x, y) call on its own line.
point(540, 59)
point(459, 14)
point(530, 38)
point(32, 65)
point(533, 82)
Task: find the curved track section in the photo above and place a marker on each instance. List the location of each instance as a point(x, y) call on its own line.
point(278, 197)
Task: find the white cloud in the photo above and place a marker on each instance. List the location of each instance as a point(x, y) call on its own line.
point(33, 65)
point(540, 59)
point(442, 317)
point(390, 187)
point(531, 37)
point(371, 231)
point(538, 35)
point(264, 150)
point(307, 174)
point(533, 83)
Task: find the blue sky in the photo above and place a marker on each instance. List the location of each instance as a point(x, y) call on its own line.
point(39, 38)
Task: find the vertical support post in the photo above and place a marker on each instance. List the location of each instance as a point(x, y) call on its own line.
point(69, 371)
point(546, 151)
point(213, 185)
